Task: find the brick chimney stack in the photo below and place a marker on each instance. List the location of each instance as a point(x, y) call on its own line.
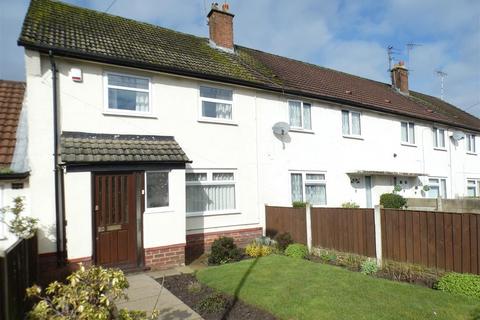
point(400, 77)
point(220, 23)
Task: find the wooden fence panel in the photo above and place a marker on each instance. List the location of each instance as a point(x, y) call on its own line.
point(448, 241)
point(348, 230)
point(284, 219)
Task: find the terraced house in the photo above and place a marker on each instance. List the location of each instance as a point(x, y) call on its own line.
point(146, 143)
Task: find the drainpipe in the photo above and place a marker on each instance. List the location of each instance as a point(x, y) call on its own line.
point(58, 172)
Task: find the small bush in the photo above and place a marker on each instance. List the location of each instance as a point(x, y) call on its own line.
point(297, 250)
point(299, 204)
point(224, 250)
point(350, 205)
point(412, 273)
point(194, 287)
point(265, 241)
point(392, 201)
point(458, 283)
point(258, 250)
point(350, 260)
point(369, 267)
point(213, 303)
point(283, 240)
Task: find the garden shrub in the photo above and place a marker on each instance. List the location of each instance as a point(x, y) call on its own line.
point(213, 303)
point(349, 204)
point(22, 227)
point(299, 204)
point(350, 260)
point(392, 201)
point(369, 267)
point(258, 250)
point(460, 283)
point(412, 273)
point(224, 250)
point(194, 287)
point(265, 241)
point(297, 250)
point(283, 240)
point(87, 294)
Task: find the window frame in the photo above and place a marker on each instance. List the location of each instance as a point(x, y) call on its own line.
point(436, 140)
point(106, 86)
point(302, 128)
point(471, 139)
point(210, 182)
point(408, 143)
point(350, 123)
point(306, 182)
point(156, 209)
point(202, 118)
point(476, 185)
point(439, 184)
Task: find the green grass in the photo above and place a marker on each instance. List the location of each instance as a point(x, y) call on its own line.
point(299, 289)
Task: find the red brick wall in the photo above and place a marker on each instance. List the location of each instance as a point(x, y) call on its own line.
point(165, 257)
point(199, 243)
point(48, 270)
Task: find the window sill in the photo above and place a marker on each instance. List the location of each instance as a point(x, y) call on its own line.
point(224, 122)
point(405, 144)
point(472, 153)
point(212, 213)
point(128, 114)
point(440, 149)
point(300, 130)
point(348, 136)
point(159, 210)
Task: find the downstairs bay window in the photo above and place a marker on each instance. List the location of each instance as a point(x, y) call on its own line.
point(309, 187)
point(210, 192)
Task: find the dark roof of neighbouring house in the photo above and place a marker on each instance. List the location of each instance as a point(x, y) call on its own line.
point(82, 33)
point(11, 101)
point(82, 147)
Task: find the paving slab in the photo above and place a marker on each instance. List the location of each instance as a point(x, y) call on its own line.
point(143, 294)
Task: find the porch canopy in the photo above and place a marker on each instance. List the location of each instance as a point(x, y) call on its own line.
point(84, 150)
point(386, 173)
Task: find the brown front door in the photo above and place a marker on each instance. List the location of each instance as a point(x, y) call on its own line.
point(115, 219)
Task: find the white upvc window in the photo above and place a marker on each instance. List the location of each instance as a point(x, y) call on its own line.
point(127, 94)
point(310, 187)
point(470, 143)
point(157, 191)
point(437, 188)
point(211, 192)
point(351, 123)
point(407, 132)
point(439, 138)
point(473, 187)
point(216, 104)
point(300, 114)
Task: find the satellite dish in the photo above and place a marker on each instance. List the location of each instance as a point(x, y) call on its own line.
point(281, 128)
point(458, 135)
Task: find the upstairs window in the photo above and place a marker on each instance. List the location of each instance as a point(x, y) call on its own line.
point(216, 103)
point(300, 115)
point(351, 123)
point(470, 141)
point(439, 138)
point(408, 132)
point(129, 94)
point(438, 188)
point(473, 188)
point(309, 186)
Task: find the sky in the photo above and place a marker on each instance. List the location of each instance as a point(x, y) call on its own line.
point(346, 35)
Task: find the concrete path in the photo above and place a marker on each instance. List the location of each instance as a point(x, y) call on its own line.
point(143, 294)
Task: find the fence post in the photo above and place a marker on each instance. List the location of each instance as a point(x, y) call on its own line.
point(308, 216)
point(378, 235)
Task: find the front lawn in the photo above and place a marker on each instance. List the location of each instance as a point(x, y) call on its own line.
point(299, 289)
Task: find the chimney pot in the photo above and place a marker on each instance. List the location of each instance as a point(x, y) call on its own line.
point(220, 23)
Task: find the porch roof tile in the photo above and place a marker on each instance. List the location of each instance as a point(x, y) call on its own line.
point(83, 147)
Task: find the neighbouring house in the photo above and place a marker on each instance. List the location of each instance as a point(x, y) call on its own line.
point(146, 144)
point(14, 171)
